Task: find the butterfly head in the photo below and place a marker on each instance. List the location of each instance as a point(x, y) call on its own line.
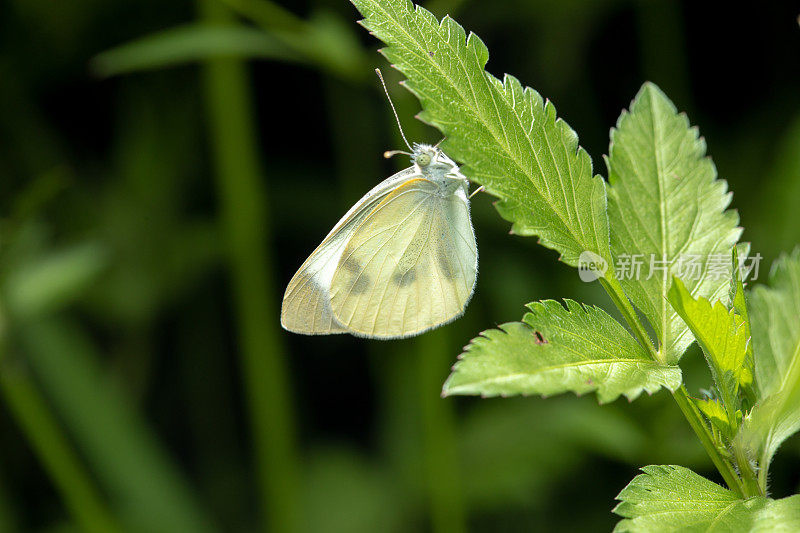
point(437, 167)
point(431, 160)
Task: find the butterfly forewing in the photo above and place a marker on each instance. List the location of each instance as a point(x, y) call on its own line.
point(409, 266)
point(306, 304)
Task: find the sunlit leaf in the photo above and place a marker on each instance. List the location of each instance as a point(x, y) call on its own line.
point(723, 337)
point(506, 135)
point(667, 213)
point(557, 349)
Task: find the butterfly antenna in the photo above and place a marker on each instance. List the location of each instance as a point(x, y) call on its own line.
point(397, 118)
point(476, 191)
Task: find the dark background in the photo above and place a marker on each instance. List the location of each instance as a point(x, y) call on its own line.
point(122, 367)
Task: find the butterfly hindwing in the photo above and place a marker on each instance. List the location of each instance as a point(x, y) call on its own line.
point(409, 266)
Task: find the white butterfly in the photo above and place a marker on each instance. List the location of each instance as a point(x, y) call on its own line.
point(402, 261)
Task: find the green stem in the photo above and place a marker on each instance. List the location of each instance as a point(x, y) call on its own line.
point(694, 417)
point(763, 472)
point(620, 299)
point(244, 218)
point(750, 484)
point(62, 465)
point(441, 459)
point(687, 407)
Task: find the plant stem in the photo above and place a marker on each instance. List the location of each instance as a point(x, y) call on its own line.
point(441, 459)
point(750, 484)
point(244, 218)
point(62, 465)
point(690, 411)
point(694, 417)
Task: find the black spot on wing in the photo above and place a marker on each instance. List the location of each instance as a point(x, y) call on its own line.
point(446, 263)
point(360, 284)
point(351, 265)
point(403, 279)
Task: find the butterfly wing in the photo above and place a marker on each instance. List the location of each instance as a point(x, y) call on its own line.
point(410, 266)
point(306, 303)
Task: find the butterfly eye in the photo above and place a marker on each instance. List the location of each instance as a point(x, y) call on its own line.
point(423, 160)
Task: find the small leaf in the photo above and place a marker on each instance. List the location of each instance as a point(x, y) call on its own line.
point(715, 413)
point(507, 135)
point(667, 212)
point(722, 336)
point(673, 498)
point(555, 350)
point(774, 313)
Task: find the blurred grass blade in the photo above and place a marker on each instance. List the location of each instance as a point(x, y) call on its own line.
point(187, 44)
point(244, 218)
point(348, 492)
point(445, 498)
point(8, 511)
point(125, 455)
point(62, 465)
point(52, 281)
point(325, 40)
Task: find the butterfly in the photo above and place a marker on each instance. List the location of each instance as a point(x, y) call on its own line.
point(403, 260)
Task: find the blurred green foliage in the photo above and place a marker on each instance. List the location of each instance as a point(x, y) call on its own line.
point(127, 403)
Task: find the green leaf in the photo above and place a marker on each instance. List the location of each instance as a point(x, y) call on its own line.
point(776, 329)
point(723, 337)
point(673, 498)
point(778, 516)
point(667, 210)
point(555, 350)
point(774, 315)
point(507, 136)
point(186, 44)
